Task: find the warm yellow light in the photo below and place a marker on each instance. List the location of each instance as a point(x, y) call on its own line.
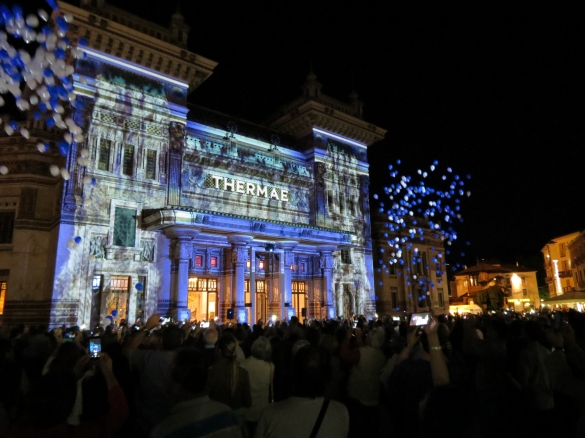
point(516, 281)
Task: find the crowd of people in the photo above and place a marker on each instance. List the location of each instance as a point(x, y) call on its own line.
point(496, 375)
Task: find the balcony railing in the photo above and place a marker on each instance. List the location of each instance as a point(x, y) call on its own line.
point(566, 273)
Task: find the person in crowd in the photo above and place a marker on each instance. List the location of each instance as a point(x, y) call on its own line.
point(261, 374)
point(228, 382)
point(152, 369)
point(50, 402)
point(194, 413)
point(210, 337)
point(307, 413)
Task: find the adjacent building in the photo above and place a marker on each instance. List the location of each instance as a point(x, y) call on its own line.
point(518, 286)
point(558, 265)
point(577, 252)
point(182, 210)
point(417, 280)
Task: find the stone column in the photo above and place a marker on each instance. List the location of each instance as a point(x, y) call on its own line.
point(326, 269)
point(286, 260)
point(239, 259)
point(180, 253)
point(254, 308)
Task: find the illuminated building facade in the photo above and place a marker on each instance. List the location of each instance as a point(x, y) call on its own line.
point(405, 287)
point(518, 285)
point(184, 211)
point(558, 265)
point(577, 252)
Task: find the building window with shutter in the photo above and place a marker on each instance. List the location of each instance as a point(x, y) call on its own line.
point(151, 164)
point(346, 256)
point(105, 148)
point(6, 227)
point(125, 227)
point(128, 161)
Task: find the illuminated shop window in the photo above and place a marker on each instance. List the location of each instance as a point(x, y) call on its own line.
point(6, 227)
point(198, 261)
point(248, 264)
point(151, 164)
point(299, 287)
point(128, 161)
point(125, 227)
point(260, 286)
point(105, 148)
point(3, 286)
point(261, 264)
point(213, 261)
point(118, 297)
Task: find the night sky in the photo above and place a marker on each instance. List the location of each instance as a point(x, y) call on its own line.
point(492, 89)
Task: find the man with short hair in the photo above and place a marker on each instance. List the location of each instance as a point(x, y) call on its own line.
point(195, 414)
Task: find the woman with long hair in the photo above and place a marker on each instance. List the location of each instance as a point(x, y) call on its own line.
point(228, 382)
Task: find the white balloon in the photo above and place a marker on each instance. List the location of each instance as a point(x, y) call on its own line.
point(24, 132)
point(41, 147)
point(65, 174)
point(84, 153)
point(87, 179)
point(9, 130)
point(43, 14)
point(54, 170)
point(32, 20)
point(3, 170)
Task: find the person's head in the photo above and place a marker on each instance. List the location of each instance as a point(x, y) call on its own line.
point(262, 349)
point(172, 337)
point(227, 346)
point(210, 337)
point(189, 373)
point(299, 345)
point(240, 333)
point(294, 321)
point(311, 372)
point(377, 337)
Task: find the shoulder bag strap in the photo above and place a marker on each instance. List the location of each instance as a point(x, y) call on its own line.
point(319, 420)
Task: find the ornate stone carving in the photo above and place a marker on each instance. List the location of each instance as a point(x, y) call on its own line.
point(259, 227)
point(97, 246)
point(177, 137)
point(147, 254)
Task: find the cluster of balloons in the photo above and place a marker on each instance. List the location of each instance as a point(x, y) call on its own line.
point(38, 74)
point(416, 210)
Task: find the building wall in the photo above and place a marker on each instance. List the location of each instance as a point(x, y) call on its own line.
point(577, 251)
point(96, 252)
point(397, 285)
point(558, 265)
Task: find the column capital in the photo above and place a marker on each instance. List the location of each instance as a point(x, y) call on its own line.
point(287, 245)
point(240, 239)
point(182, 233)
point(327, 249)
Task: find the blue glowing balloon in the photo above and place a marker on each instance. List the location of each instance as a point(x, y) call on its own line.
point(139, 286)
point(114, 312)
point(78, 240)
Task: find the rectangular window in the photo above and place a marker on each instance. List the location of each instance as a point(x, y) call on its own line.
point(128, 161)
point(260, 286)
point(394, 297)
point(151, 164)
point(105, 148)
point(346, 256)
point(351, 206)
point(523, 280)
point(299, 287)
point(341, 204)
point(198, 261)
point(330, 201)
point(440, 295)
point(125, 227)
point(563, 249)
point(2, 296)
point(524, 292)
point(6, 227)
point(213, 261)
point(303, 267)
point(438, 270)
point(392, 269)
